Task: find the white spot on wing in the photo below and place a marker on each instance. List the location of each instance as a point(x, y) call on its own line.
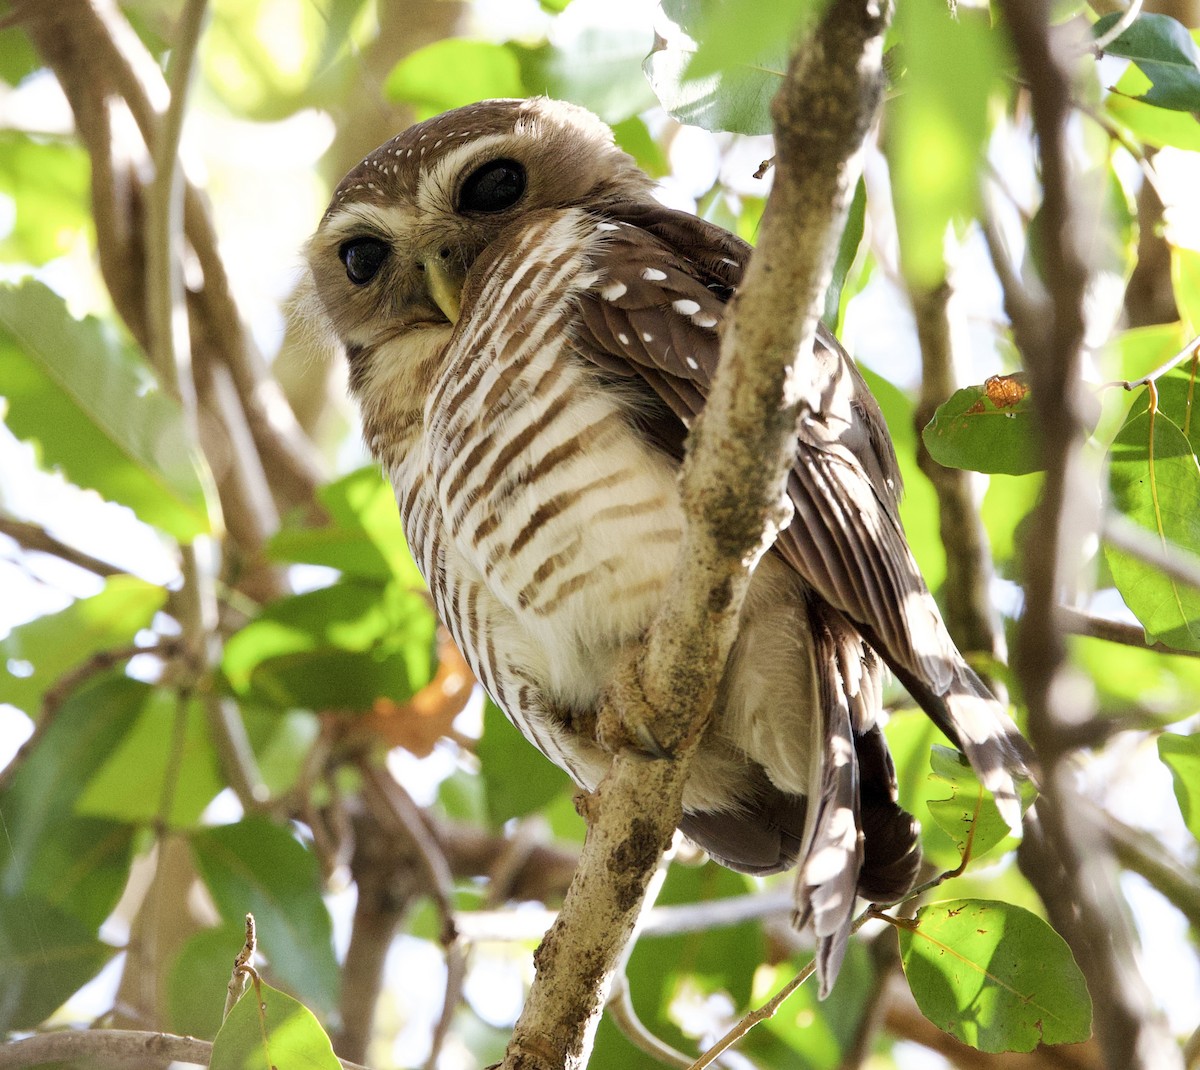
point(607, 226)
point(686, 307)
point(613, 291)
point(623, 338)
point(691, 363)
point(647, 336)
point(704, 319)
point(654, 275)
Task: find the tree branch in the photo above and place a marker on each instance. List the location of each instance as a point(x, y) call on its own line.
point(1077, 622)
point(1067, 858)
point(122, 1049)
point(37, 538)
point(732, 485)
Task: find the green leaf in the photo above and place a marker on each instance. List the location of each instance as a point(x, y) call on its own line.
point(995, 976)
point(196, 986)
point(518, 778)
point(737, 99)
point(1185, 284)
point(18, 57)
point(267, 1030)
point(1155, 126)
point(282, 742)
point(453, 72)
point(267, 62)
point(339, 647)
point(592, 60)
point(745, 33)
point(851, 238)
point(1006, 503)
point(966, 810)
point(46, 955)
point(166, 759)
point(48, 181)
point(635, 138)
point(1165, 52)
point(1135, 678)
point(363, 537)
point(938, 126)
point(44, 649)
point(986, 428)
point(86, 397)
point(1181, 754)
point(1154, 479)
point(75, 864)
point(259, 868)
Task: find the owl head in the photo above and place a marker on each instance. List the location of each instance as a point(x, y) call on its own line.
point(404, 226)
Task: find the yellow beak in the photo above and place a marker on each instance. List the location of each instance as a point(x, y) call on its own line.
point(444, 287)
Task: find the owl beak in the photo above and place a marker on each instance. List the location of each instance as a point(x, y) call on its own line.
point(444, 286)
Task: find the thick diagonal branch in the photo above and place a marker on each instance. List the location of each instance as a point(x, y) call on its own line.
point(732, 486)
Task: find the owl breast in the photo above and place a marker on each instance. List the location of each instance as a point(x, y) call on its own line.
point(548, 527)
point(549, 499)
point(545, 526)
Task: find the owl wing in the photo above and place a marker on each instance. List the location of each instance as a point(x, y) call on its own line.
point(664, 279)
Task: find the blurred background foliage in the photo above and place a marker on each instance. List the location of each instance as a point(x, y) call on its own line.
point(321, 758)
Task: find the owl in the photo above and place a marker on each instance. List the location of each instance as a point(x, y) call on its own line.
point(530, 335)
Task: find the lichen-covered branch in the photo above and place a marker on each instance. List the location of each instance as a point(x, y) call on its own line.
point(732, 487)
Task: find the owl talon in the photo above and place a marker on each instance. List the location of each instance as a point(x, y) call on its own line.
point(625, 720)
point(617, 731)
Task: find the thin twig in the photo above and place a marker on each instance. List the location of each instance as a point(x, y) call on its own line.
point(36, 538)
point(1142, 853)
point(624, 1016)
point(1117, 28)
point(767, 1010)
point(1078, 622)
point(400, 816)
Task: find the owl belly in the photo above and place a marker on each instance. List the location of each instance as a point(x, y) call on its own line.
point(569, 519)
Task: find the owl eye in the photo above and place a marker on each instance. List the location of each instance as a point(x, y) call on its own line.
point(493, 187)
point(363, 258)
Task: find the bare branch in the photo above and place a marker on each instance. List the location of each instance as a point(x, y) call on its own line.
point(35, 537)
point(121, 1049)
point(1143, 854)
point(625, 1017)
point(732, 487)
point(1066, 858)
point(1077, 622)
point(401, 819)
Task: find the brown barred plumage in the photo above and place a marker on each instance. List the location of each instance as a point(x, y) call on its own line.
point(529, 336)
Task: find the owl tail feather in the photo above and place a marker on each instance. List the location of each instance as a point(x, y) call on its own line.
point(981, 728)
